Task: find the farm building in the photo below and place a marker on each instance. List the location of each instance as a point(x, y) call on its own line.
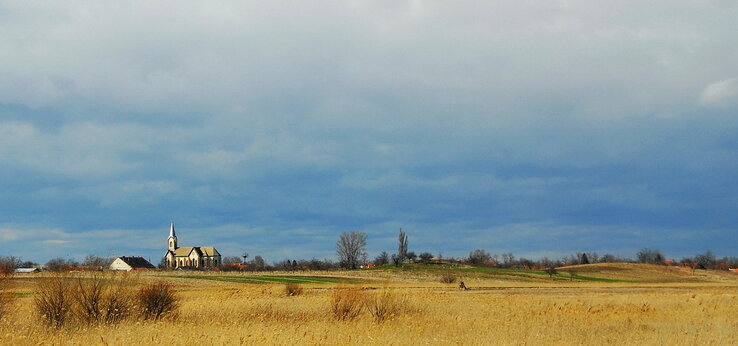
point(131, 263)
point(27, 270)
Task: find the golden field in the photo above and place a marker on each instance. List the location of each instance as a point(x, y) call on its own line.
point(656, 305)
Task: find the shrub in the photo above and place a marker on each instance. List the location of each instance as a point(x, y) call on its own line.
point(53, 300)
point(102, 299)
point(293, 289)
point(386, 304)
point(117, 305)
point(157, 300)
point(346, 303)
point(88, 295)
point(448, 278)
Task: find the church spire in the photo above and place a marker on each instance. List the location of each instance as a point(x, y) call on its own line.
point(172, 239)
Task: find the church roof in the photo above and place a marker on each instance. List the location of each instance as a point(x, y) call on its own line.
point(183, 251)
point(209, 251)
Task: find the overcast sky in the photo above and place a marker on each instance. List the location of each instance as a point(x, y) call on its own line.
point(539, 128)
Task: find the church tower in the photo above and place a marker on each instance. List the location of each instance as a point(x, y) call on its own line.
point(172, 240)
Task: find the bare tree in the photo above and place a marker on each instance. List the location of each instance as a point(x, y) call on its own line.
point(258, 263)
point(351, 249)
point(705, 261)
point(425, 257)
point(231, 260)
point(508, 259)
point(93, 262)
point(583, 259)
point(478, 256)
point(382, 259)
point(8, 265)
point(650, 256)
point(401, 248)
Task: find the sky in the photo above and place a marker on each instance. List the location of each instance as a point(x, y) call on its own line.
point(541, 128)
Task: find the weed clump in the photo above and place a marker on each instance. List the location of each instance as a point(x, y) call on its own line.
point(157, 300)
point(346, 303)
point(102, 299)
point(387, 304)
point(53, 300)
point(448, 278)
point(89, 299)
point(293, 289)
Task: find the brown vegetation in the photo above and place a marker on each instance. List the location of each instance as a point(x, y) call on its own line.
point(157, 300)
point(292, 289)
point(387, 304)
point(429, 312)
point(347, 303)
point(53, 300)
point(6, 297)
point(448, 278)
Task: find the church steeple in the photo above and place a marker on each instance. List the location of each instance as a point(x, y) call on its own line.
point(172, 240)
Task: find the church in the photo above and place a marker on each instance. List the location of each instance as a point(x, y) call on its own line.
point(189, 257)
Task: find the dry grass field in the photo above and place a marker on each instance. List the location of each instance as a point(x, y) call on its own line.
point(653, 305)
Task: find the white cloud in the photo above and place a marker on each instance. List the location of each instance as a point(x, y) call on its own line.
point(722, 92)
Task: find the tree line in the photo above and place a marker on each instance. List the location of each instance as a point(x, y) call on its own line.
point(351, 254)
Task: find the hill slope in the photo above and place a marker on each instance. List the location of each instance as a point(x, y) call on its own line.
point(649, 273)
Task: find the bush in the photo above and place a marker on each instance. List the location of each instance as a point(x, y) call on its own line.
point(88, 295)
point(448, 278)
point(292, 289)
point(102, 299)
point(118, 304)
point(387, 304)
point(157, 300)
point(346, 303)
point(53, 300)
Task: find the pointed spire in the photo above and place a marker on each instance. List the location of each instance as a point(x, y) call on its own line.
point(171, 231)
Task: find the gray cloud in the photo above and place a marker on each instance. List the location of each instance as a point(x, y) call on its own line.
point(301, 120)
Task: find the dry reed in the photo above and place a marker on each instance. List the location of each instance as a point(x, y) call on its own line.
point(53, 300)
point(386, 304)
point(293, 289)
point(157, 300)
point(347, 303)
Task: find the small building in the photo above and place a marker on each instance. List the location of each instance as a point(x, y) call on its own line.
point(27, 270)
point(131, 263)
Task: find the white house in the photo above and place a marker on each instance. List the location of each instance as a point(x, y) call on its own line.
point(131, 263)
